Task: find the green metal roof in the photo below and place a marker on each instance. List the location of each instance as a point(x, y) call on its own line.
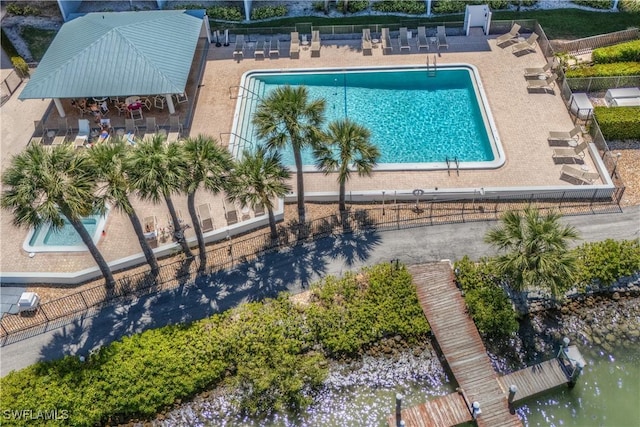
point(118, 54)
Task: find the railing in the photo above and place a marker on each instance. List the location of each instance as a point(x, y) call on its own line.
point(9, 85)
point(236, 149)
point(601, 84)
point(589, 43)
point(228, 253)
point(244, 89)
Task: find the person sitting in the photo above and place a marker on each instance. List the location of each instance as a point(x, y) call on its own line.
point(95, 110)
point(104, 134)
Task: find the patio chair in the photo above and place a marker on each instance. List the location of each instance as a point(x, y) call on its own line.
point(136, 113)
point(175, 129)
point(386, 41)
point(294, 49)
point(423, 41)
point(231, 215)
point(564, 138)
point(39, 133)
point(259, 52)
point(181, 98)
point(403, 39)
point(274, 48)
point(159, 101)
point(441, 34)
point(537, 72)
point(315, 43)
point(120, 108)
point(258, 210)
point(84, 130)
point(151, 127)
point(239, 49)
point(366, 41)
point(130, 126)
point(583, 176)
point(529, 45)
point(545, 85)
point(575, 154)
point(204, 214)
point(62, 134)
point(511, 36)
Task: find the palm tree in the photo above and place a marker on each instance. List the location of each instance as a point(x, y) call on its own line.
point(258, 179)
point(536, 247)
point(157, 170)
point(43, 186)
point(208, 165)
point(288, 117)
point(347, 146)
point(109, 163)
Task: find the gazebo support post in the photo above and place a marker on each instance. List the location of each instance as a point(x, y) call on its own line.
point(59, 107)
point(172, 108)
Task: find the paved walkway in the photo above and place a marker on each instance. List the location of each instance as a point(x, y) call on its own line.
point(275, 272)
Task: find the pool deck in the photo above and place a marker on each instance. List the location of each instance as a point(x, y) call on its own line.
point(523, 121)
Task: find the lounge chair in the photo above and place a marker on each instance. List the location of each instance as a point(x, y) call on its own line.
point(574, 153)
point(63, 133)
point(403, 39)
point(529, 45)
point(386, 41)
point(150, 230)
point(258, 210)
point(294, 49)
point(230, 215)
point(175, 129)
point(84, 130)
point(151, 128)
point(366, 41)
point(204, 214)
point(130, 126)
point(544, 85)
point(315, 43)
point(259, 52)
point(579, 174)
point(239, 49)
point(274, 47)
point(564, 138)
point(423, 41)
point(441, 34)
point(537, 72)
point(511, 36)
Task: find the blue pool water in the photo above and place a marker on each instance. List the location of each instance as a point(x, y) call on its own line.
point(45, 238)
point(414, 118)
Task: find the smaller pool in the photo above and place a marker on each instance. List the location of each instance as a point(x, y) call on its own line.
point(45, 238)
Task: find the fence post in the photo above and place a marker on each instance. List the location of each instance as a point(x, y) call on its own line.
point(83, 300)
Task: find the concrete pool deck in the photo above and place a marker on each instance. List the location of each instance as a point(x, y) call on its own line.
point(523, 121)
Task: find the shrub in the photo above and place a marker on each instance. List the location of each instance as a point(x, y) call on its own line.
point(488, 304)
point(603, 263)
point(606, 70)
point(265, 12)
point(632, 6)
point(525, 3)
point(353, 6)
point(413, 7)
point(619, 123)
point(318, 6)
point(623, 52)
point(18, 9)
point(455, 6)
point(225, 13)
point(21, 66)
point(596, 4)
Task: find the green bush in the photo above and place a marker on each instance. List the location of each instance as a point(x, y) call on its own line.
point(603, 263)
point(265, 12)
point(605, 70)
point(456, 6)
point(360, 309)
point(619, 123)
point(24, 10)
point(632, 6)
point(413, 7)
point(525, 3)
point(20, 65)
point(225, 13)
point(596, 4)
point(353, 6)
point(488, 304)
point(623, 52)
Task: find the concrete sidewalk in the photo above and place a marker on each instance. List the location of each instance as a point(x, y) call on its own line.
point(290, 270)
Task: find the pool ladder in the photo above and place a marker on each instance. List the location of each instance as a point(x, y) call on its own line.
point(449, 162)
point(432, 67)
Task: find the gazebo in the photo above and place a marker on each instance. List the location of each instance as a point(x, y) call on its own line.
point(118, 54)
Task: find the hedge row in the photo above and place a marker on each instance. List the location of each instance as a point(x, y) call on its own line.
point(603, 263)
point(623, 52)
point(225, 13)
point(266, 12)
point(606, 70)
point(629, 5)
point(273, 350)
point(413, 7)
point(596, 4)
point(619, 123)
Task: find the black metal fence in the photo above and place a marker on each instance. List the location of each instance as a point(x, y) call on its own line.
point(232, 252)
point(9, 85)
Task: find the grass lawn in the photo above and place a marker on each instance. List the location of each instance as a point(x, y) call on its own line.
point(37, 40)
point(557, 23)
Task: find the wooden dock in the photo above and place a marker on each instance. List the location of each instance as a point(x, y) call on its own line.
point(449, 410)
point(535, 379)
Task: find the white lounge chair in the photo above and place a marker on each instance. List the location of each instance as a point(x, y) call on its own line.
point(294, 49)
point(537, 72)
point(239, 49)
point(564, 138)
point(175, 129)
point(366, 41)
point(274, 47)
point(574, 153)
point(204, 214)
point(545, 85)
point(386, 41)
point(423, 41)
point(259, 52)
point(583, 176)
point(529, 45)
point(315, 43)
point(441, 34)
point(403, 39)
point(511, 36)
point(84, 130)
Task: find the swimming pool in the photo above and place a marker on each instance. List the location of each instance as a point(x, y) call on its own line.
point(417, 119)
point(45, 238)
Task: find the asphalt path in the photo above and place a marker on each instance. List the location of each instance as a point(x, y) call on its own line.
point(291, 270)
